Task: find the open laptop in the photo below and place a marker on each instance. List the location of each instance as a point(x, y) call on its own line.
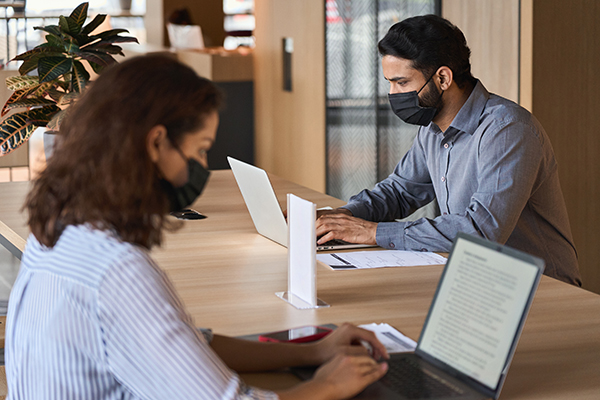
point(264, 208)
point(472, 329)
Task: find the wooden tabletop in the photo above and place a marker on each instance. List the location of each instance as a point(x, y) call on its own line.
point(227, 275)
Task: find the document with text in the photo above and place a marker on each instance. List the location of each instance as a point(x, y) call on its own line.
point(393, 340)
point(379, 259)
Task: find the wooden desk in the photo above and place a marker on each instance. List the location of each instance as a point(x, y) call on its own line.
point(227, 275)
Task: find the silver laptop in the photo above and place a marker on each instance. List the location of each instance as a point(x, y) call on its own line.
point(472, 329)
point(264, 208)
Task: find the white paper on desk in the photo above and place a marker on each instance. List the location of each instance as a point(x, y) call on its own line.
point(394, 341)
point(380, 259)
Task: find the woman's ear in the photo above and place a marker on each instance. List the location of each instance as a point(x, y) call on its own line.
point(155, 142)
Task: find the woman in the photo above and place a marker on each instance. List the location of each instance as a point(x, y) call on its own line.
point(91, 316)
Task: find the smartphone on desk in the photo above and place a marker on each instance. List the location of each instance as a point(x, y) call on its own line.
point(303, 334)
point(188, 213)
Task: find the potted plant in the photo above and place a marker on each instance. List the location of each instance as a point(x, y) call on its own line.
point(41, 100)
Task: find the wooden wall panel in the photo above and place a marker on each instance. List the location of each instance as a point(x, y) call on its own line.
point(290, 126)
point(492, 32)
point(565, 98)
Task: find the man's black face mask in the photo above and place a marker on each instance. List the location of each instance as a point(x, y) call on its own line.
point(406, 106)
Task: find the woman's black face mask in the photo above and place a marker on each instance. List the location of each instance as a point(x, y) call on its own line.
point(182, 197)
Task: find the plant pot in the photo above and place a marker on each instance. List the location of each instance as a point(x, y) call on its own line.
point(49, 143)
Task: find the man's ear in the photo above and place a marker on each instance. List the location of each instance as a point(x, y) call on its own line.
point(155, 142)
point(445, 77)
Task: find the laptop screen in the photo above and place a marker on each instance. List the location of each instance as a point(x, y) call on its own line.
point(479, 309)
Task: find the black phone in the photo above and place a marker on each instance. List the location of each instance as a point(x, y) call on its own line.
point(188, 213)
point(302, 334)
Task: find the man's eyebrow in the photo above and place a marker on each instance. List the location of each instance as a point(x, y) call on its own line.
point(396, 78)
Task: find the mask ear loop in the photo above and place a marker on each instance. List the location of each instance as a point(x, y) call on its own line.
point(178, 150)
point(426, 82)
point(432, 75)
point(422, 87)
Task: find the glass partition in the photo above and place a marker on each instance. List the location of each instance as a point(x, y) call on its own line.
point(365, 140)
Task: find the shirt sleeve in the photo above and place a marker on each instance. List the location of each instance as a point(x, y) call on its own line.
point(407, 188)
point(510, 165)
point(151, 345)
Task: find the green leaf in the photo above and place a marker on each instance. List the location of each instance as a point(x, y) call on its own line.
point(16, 96)
point(74, 28)
point(109, 33)
point(106, 48)
point(96, 22)
point(80, 77)
point(83, 40)
point(64, 24)
point(52, 29)
point(28, 66)
point(39, 50)
point(103, 60)
point(97, 67)
point(56, 94)
point(54, 123)
point(41, 116)
point(50, 68)
point(21, 82)
point(37, 102)
point(69, 99)
point(78, 16)
point(72, 48)
point(54, 41)
point(118, 39)
point(14, 131)
point(17, 128)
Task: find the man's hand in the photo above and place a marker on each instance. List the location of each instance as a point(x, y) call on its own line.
point(340, 224)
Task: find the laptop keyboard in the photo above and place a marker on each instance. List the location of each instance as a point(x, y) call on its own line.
point(333, 242)
point(405, 377)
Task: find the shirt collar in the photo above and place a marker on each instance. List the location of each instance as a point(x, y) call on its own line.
point(467, 119)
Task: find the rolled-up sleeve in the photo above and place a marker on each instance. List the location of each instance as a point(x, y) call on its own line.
point(408, 188)
point(508, 163)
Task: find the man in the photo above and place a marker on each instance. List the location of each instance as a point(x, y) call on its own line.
point(487, 161)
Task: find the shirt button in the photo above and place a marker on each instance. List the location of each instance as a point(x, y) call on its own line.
point(443, 179)
point(445, 213)
point(446, 145)
point(392, 245)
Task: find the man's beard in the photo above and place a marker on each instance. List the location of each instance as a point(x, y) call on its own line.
point(432, 98)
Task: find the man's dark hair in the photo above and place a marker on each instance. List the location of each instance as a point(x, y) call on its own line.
point(430, 42)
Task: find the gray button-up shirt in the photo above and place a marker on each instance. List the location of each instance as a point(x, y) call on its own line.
point(494, 175)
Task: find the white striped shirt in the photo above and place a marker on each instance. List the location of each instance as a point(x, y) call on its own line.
point(95, 318)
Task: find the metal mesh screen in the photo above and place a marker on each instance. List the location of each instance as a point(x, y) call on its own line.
point(365, 140)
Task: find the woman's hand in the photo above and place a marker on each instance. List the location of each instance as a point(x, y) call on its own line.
point(345, 376)
point(349, 340)
point(340, 378)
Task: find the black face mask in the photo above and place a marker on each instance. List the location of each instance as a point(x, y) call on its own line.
point(406, 107)
point(182, 197)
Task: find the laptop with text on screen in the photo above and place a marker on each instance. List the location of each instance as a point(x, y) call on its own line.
point(264, 208)
point(472, 328)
